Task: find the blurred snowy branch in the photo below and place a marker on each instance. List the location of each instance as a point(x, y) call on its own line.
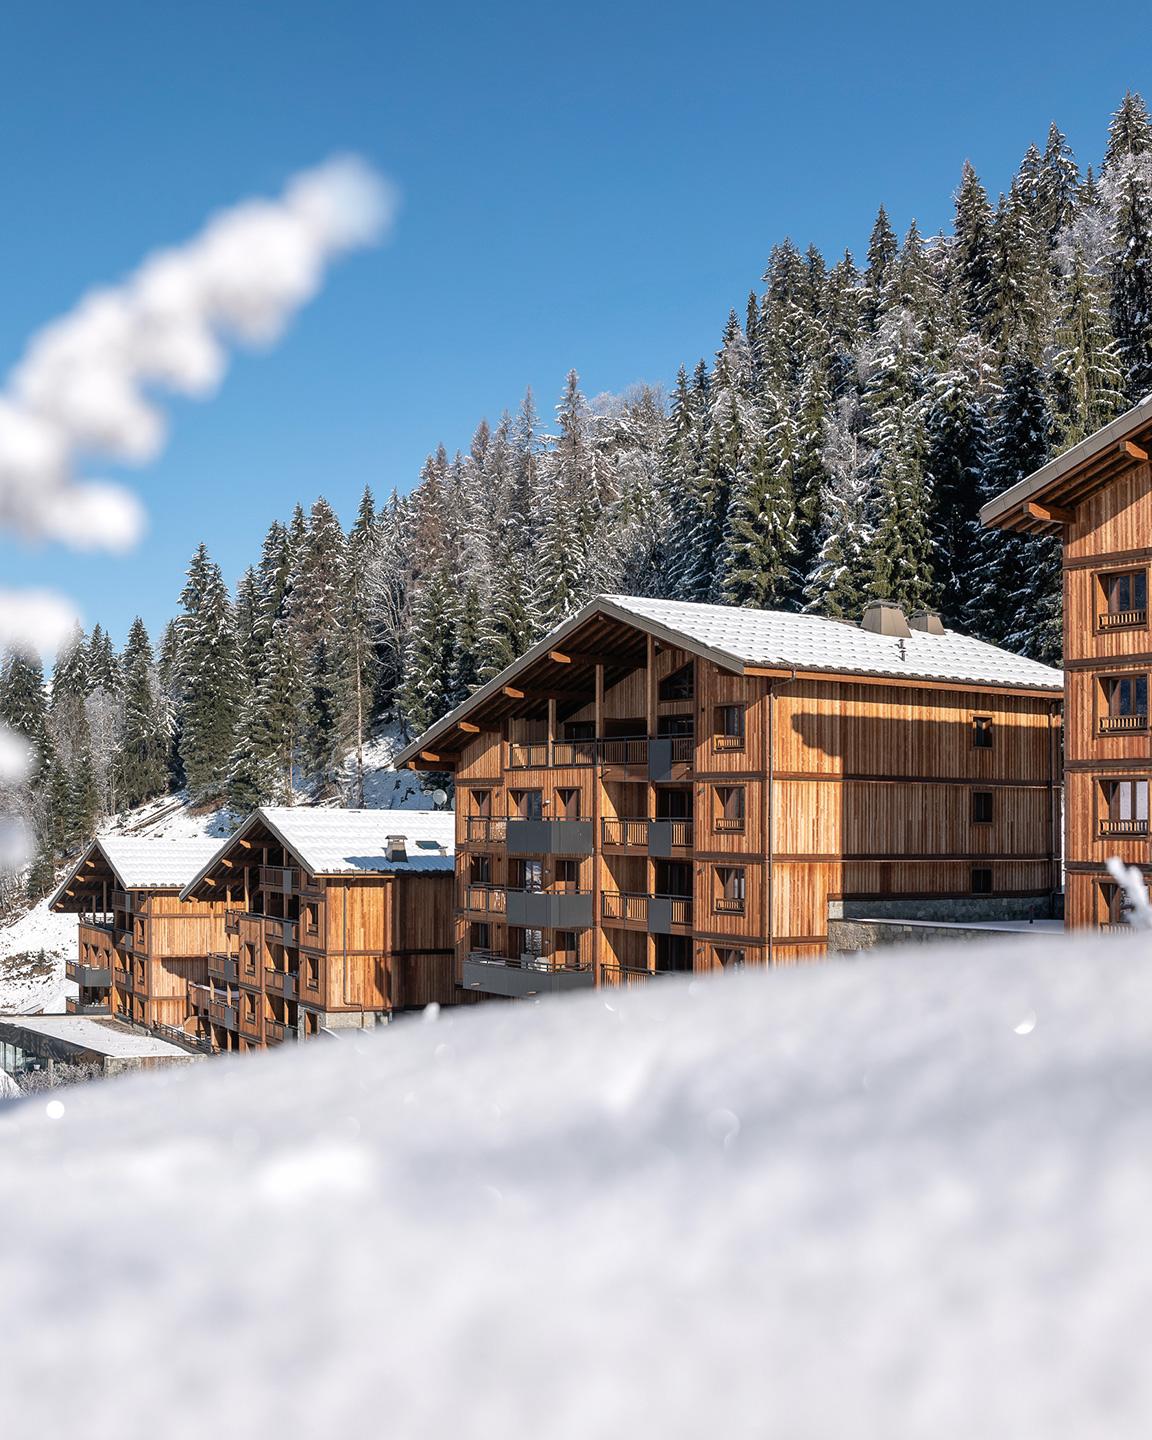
point(1132, 883)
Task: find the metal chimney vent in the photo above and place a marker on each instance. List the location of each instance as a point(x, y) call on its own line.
point(927, 620)
point(884, 617)
point(396, 847)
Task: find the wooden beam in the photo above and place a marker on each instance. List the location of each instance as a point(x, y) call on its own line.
point(559, 657)
point(1057, 514)
point(468, 727)
point(1133, 452)
point(513, 693)
point(435, 758)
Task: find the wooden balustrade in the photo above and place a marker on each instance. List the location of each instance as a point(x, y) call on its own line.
point(486, 829)
point(722, 905)
point(630, 833)
point(1124, 827)
point(1122, 619)
point(1119, 724)
point(487, 899)
point(615, 905)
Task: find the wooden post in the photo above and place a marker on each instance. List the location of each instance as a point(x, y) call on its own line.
point(597, 812)
point(650, 695)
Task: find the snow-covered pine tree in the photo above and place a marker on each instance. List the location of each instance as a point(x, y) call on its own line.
point(1018, 581)
point(972, 251)
point(1132, 280)
point(1086, 372)
point(883, 249)
point(70, 689)
point(430, 661)
point(141, 761)
point(210, 680)
point(759, 543)
point(1129, 135)
point(838, 582)
point(24, 706)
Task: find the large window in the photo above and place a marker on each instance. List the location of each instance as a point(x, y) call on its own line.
point(527, 804)
point(1124, 807)
point(729, 727)
point(1124, 594)
point(680, 685)
point(568, 804)
point(729, 897)
point(730, 808)
point(526, 875)
point(1125, 704)
point(982, 807)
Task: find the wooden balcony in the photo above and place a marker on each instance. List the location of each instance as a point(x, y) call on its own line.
point(627, 753)
point(669, 913)
point(1130, 828)
point(1122, 619)
point(284, 932)
point(278, 879)
point(484, 829)
point(75, 1006)
point(122, 979)
point(617, 975)
point(572, 753)
point(119, 900)
point(199, 998)
point(624, 834)
point(223, 1013)
point(528, 757)
point(232, 921)
point(89, 977)
point(483, 899)
point(223, 968)
point(277, 1034)
point(618, 905)
point(1122, 724)
point(280, 982)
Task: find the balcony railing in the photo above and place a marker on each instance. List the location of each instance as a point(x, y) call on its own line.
point(675, 909)
point(1119, 724)
point(729, 824)
point(573, 752)
point(279, 878)
point(728, 905)
point(620, 905)
point(612, 974)
point(487, 899)
point(485, 828)
point(232, 922)
point(632, 834)
point(223, 968)
point(280, 982)
point(727, 742)
point(277, 1034)
point(628, 751)
point(199, 998)
point(75, 1006)
point(91, 977)
point(527, 757)
point(1123, 827)
point(1122, 619)
point(223, 1013)
point(122, 979)
point(516, 977)
point(118, 899)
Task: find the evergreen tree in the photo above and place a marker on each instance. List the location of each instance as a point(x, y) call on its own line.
point(1132, 282)
point(210, 680)
point(760, 544)
point(1087, 377)
point(141, 762)
point(431, 657)
point(838, 582)
point(1129, 135)
point(972, 251)
point(24, 706)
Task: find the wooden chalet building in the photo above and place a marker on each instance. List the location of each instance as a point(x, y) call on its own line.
point(332, 919)
point(1096, 499)
point(139, 945)
point(661, 786)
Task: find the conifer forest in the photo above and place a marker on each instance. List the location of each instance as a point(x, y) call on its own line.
point(835, 447)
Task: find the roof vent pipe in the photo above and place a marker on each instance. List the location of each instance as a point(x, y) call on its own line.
point(396, 847)
point(927, 620)
point(884, 617)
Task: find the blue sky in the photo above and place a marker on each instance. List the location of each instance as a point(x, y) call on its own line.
point(589, 186)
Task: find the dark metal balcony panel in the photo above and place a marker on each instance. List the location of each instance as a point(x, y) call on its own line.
point(538, 910)
point(660, 759)
point(666, 913)
point(92, 977)
point(516, 983)
point(660, 838)
point(549, 837)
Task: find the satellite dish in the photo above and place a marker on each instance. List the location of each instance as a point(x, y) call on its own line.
point(439, 797)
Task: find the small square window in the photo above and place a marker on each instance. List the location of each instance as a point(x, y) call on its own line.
point(981, 880)
point(982, 807)
point(982, 732)
point(729, 729)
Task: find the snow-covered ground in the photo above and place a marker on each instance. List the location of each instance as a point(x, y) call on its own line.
point(34, 947)
point(899, 1197)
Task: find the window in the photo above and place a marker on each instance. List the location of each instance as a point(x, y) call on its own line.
point(669, 726)
point(249, 954)
point(481, 802)
point(568, 804)
point(729, 728)
point(982, 732)
point(526, 875)
point(680, 685)
point(580, 730)
point(311, 918)
point(1125, 596)
point(567, 948)
point(981, 880)
point(729, 957)
point(480, 937)
point(1124, 808)
point(1112, 904)
point(1125, 703)
point(568, 876)
point(479, 869)
point(730, 884)
point(528, 804)
point(730, 808)
point(982, 807)
point(528, 944)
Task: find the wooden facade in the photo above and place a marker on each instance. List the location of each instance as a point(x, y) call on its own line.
point(138, 949)
point(303, 953)
point(627, 807)
point(1098, 500)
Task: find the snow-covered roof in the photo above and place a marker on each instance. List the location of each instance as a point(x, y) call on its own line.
point(102, 1037)
point(741, 639)
point(351, 842)
point(779, 639)
point(140, 863)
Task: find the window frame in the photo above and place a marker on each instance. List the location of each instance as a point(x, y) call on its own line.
point(982, 725)
point(981, 888)
point(722, 822)
point(724, 903)
point(979, 797)
point(1104, 580)
point(723, 739)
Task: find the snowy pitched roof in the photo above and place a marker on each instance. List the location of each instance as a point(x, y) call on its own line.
point(1075, 474)
point(139, 863)
point(778, 639)
point(351, 842)
point(101, 1037)
point(741, 639)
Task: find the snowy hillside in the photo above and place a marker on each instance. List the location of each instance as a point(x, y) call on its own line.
point(33, 948)
point(898, 1198)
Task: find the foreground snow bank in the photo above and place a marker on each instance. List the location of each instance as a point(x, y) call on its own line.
point(898, 1197)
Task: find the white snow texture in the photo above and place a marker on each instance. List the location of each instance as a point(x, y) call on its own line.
point(899, 1197)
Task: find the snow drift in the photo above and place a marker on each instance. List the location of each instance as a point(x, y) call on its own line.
point(898, 1197)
